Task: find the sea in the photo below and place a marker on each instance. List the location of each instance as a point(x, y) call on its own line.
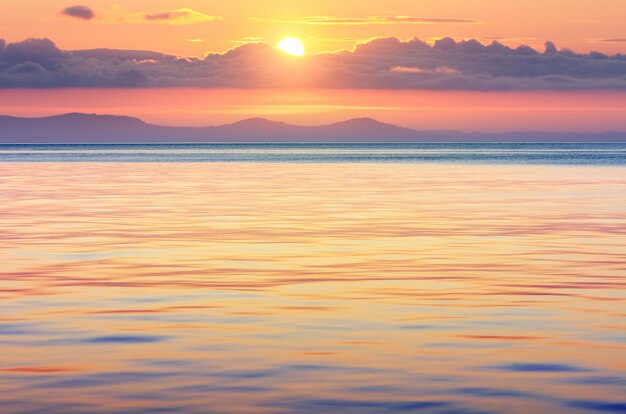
point(304, 278)
point(492, 153)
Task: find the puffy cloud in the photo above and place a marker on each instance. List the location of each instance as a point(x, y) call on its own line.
point(379, 63)
point(551, 48)
point(79, 12)
point(40, 51)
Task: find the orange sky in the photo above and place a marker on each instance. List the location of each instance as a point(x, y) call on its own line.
point(579, 24)
point(325, 25)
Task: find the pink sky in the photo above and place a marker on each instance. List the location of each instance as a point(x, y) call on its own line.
point(469, 111)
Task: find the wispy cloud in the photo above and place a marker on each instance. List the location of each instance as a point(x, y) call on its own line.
point(179, 16)
point(309, 39)
point(119, 15)
point(368, 20)
point(245, 40)
point(615, 40)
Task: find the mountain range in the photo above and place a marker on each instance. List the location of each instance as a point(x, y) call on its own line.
point(92, 128)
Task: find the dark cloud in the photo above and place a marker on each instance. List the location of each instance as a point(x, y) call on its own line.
point(79, 12)
point(551, 48)
point(387, 63)
point(41, 51)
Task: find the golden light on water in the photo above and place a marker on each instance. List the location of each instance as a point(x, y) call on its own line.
point(310, 288)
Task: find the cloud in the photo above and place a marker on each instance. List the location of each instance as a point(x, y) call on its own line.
point(79, 12)
point(119, 15)
point(179, 16)
point(385, 63)
point(333, 20)
point(616, 40)
point(41, 52)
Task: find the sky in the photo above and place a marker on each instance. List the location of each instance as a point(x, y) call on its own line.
point(451, 64)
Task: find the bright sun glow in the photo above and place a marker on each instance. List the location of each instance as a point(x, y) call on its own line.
point(292, 46)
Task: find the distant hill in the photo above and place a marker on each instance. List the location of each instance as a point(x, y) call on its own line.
point(91, 128)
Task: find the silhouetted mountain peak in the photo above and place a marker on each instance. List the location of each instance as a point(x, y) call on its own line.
point(77, 116)
point(368, 122)
point(369, 127)
point(255, 123)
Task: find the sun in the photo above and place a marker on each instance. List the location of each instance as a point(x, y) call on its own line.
point(291, 46)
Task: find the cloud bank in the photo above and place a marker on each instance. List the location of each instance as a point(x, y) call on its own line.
point(386, 63)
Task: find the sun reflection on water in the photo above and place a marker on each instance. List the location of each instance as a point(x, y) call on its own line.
point(312, 288)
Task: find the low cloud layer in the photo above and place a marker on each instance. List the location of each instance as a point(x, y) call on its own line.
point(79, 12)
point(386, 63)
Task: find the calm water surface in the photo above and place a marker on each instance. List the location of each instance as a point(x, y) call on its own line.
point(312, 288)
point(529, 153)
